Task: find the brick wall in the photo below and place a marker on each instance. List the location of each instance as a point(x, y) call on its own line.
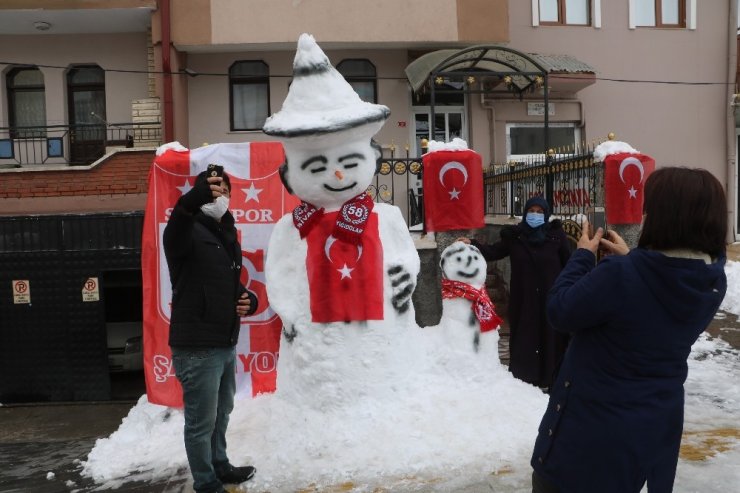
point(125, 172)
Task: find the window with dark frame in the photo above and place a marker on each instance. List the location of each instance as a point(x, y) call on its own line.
point(660, 13)
point(249, 95)
point(565, 12)
point(26, 103)
point(362, 76)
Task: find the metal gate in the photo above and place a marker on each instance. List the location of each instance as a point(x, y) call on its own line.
point(52, 326)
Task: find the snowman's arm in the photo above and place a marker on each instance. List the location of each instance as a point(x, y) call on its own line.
point(398, 246)
point(400, 256)
point(285, 269)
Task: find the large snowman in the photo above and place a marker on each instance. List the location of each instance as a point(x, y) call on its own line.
point(341, 269)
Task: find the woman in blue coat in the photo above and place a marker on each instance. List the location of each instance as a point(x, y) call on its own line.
point(615, 415)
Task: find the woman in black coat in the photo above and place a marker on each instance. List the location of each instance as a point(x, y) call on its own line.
point(538, 249)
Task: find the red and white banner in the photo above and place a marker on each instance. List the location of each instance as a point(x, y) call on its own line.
point(258, 200)
point(453, 190)
point(624, 180)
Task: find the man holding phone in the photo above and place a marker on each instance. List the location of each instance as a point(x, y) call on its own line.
point(204, 259)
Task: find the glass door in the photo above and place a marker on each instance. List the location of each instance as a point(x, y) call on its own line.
point(86, 106)
point(449, 123)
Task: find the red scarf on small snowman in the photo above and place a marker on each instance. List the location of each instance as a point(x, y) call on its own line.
point(483, 307)
point(344, 261)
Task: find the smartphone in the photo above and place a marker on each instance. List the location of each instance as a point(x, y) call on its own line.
point(215, 170)
point(597, 219)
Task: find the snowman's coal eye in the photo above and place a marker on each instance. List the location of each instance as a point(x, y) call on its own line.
point(459, 258)
point(350, 160)
point(315, 164)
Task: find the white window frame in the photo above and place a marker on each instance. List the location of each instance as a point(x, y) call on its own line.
point(524, 157)
point(438, 110)
point(690, 15)
point(595, 14)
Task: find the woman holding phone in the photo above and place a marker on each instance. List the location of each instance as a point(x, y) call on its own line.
point(615, 416)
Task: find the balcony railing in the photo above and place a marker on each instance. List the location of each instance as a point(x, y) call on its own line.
point(72, 144)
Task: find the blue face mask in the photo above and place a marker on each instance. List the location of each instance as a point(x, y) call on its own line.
point(535, 219)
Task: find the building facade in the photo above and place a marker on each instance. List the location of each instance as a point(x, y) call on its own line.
point(90, 88)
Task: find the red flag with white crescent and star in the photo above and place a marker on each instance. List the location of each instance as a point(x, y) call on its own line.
point(345, 280)
point(453, 190)
point(624, 182)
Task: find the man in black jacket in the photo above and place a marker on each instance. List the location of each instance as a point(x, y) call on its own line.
point(208, 299)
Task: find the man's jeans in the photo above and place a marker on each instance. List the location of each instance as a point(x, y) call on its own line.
point(208, 382)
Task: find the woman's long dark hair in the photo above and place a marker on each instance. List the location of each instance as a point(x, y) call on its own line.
point(684, 208)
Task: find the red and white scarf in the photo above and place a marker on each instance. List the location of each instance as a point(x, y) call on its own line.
point(351, 220)
point(483, 307)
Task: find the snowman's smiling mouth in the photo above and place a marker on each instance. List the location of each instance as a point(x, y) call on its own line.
point(332, 189)
point(465, 274)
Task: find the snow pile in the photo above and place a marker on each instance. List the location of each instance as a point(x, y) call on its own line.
point(458, 409)
point(456, 144)
point(612, 147)
point(456, 419)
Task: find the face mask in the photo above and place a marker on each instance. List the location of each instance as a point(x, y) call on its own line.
point(217, 208)
point(535, 219)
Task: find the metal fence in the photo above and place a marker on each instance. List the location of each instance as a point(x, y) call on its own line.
point(398, 182)
point(72, 144)
point(570, 181)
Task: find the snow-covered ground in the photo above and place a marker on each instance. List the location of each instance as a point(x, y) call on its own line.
point(458, 423)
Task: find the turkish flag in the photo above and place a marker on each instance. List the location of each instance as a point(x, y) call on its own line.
point(258, 200)
point(453, 190)
point(341, 273)
point(624, 182)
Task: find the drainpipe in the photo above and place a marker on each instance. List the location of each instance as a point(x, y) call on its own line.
point(731, 172)
point(167, 69)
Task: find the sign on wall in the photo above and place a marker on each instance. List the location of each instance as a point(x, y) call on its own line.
point(21, 291)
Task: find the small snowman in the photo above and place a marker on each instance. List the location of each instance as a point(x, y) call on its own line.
point(340, 269)
point(469, 320)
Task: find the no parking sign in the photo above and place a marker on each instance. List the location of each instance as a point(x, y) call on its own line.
point(21, 292)
point(91, 290)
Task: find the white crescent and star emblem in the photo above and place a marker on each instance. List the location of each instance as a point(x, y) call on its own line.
point(345, 271)
point(454, 193)
point(631, 161)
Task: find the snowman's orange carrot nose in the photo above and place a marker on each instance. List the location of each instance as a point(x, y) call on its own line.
point(339, 175)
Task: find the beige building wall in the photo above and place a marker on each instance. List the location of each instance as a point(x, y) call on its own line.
point(245, 24)
point(208, 100)
point(112, 52)
point(676, 124)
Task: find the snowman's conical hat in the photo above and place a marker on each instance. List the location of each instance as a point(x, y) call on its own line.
point(321, 102)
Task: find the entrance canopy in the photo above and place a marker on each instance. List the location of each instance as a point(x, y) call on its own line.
point(489, 69)
point(493, 64)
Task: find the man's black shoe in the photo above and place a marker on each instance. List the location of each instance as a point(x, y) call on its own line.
point(236, 475)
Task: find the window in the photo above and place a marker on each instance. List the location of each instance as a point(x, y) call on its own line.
point(525, 139)
point(449, 123)
point(659, 13)
point(564, 12)
point(86, 109)
point(26, 102)
point(361, 75)
point(249, 94)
